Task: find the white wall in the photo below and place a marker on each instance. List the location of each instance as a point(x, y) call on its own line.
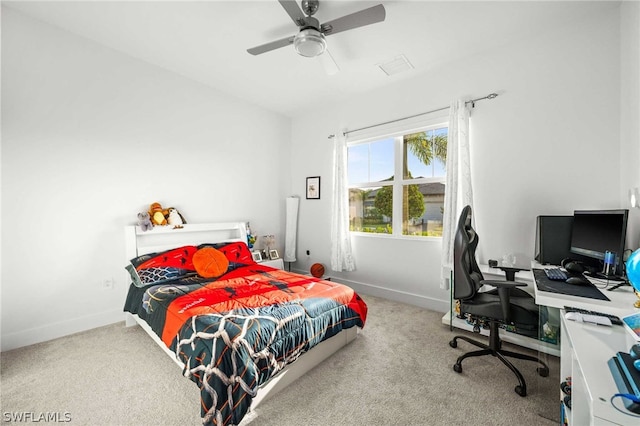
point(630, 110)
point(549, 144)
point(90, 137)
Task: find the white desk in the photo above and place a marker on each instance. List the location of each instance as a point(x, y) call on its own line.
point(585, 350)
point(621, 303)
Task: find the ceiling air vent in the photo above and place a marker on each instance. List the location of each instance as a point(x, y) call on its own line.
point(396, 65)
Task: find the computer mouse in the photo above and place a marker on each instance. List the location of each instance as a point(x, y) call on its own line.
point(574, 267)
point(575, 280)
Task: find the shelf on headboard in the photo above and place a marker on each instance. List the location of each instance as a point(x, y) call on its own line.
point(160, 238)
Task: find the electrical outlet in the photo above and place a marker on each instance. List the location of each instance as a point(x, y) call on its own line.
point(107, 284)
point(445, 284)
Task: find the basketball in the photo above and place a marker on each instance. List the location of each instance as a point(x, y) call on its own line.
point(317, 270)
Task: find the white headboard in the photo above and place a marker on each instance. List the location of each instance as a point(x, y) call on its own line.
point(161, 238)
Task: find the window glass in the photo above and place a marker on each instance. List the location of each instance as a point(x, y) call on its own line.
point(370, 209)
point(417, 209)
point(370, 161)
point(422, 209)
point(425, 153)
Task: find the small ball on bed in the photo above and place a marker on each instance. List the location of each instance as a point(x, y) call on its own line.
point(210, 263)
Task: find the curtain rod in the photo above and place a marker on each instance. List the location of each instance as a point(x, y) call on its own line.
point(472, 102)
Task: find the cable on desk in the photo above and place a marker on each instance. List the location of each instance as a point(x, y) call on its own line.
point(628, 396)
point(602, 283)
point(599, 282)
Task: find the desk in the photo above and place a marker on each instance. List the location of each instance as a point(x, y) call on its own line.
point(584, 351)
point(621, 303)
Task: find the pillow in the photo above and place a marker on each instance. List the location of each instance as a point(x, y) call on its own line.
point(210, 263)
point(156, 268)
point(236, 252)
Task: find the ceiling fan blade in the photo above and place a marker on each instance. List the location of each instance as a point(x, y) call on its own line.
point(355, 20)
point(294, 11)
point(267, 47)
point(328, 63)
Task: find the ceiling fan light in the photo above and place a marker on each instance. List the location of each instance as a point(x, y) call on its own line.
point(309, 43)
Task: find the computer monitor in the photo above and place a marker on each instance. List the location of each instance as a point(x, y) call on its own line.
point(595, 232)
point(553, 239)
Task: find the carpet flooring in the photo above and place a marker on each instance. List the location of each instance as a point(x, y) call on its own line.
point(397, 372)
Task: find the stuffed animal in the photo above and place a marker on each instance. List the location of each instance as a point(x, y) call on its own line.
point(144, 222)
point(251, 239)
point(157, 214)
point(174, 217)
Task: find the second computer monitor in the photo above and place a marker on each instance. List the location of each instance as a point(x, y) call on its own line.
point(595, 232)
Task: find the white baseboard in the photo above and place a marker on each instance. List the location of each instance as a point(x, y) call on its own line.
point(426, 302)
point(59, 329)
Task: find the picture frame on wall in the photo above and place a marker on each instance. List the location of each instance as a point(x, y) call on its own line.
point(257, 256)
point(313, 188)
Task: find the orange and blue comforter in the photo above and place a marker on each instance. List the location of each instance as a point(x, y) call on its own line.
point(236, 332)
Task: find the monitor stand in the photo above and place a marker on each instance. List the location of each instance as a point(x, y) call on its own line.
point(619, 284)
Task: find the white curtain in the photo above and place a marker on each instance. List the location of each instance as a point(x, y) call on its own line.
point(458, 189)
point(341, 256)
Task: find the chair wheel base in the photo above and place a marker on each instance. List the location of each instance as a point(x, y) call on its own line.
point(543, 371)
point(521, 390)
point(453, 344)
point(457, 368)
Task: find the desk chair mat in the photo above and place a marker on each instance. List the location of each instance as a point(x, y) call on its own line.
point(584, 290)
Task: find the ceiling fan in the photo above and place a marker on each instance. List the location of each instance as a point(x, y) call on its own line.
point(310, 40)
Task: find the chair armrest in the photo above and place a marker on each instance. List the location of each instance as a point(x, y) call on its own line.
point(504, 288)
point(510, 271)
point(503, 284)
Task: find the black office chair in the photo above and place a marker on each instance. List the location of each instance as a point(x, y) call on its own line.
point(505, 304)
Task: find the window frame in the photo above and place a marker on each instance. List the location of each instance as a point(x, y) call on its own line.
point(398, 184)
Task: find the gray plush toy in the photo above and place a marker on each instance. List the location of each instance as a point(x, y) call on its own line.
point(144, 221)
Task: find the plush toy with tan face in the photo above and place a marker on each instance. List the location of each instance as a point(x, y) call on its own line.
point(157, 214)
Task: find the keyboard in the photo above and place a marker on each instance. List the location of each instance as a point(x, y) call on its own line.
point(556, 274)
point(614, 319)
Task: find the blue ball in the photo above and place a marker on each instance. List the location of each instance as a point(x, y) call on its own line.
point(633, 269)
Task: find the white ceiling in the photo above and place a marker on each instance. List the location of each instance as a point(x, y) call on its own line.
point(207, 40)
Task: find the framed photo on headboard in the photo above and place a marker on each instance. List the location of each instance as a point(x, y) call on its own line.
point(313, 188)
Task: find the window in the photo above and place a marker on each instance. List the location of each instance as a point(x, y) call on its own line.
point(412, 204)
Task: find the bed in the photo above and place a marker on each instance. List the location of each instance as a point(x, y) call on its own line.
point(237, 335)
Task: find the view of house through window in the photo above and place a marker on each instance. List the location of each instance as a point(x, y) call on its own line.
point(396, 184)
